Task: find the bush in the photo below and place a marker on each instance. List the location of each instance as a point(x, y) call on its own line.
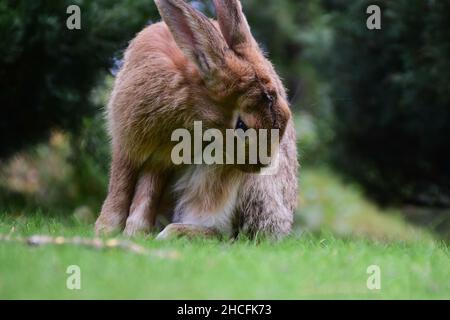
point(391, 99)
point(47, 71)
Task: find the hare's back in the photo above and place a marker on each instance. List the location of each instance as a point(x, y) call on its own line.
point(153, 67)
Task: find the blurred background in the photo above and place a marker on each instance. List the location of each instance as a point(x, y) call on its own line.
point(372, 107)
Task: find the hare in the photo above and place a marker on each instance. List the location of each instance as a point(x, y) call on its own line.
point(189, 68)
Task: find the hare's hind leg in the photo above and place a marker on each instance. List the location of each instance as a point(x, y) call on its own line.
point(267, 207)
point(143, 209)
point(122, 182)
point(176, 230)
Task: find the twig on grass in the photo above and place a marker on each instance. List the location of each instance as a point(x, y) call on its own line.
point(95, 243)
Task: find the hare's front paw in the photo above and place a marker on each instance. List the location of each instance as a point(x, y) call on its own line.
point(176, 230)
point(136, 226)
point(108, 224)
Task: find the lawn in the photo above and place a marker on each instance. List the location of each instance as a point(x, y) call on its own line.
point(304, 267)
point(309, 265)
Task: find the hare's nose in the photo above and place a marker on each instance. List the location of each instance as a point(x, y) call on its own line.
point(241, 124)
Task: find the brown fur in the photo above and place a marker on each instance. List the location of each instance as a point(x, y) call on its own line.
point(185, 69)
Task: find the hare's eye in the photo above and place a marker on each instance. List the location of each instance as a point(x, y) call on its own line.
point(269, 99)
point(241, 124)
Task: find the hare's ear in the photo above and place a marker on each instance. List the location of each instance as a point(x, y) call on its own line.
point(194, 34)
point(233, 23)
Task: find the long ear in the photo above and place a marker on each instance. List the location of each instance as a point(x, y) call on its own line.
point(194, 34)
point(233, 23)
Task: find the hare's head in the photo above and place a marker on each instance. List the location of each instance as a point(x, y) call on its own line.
point(235, 78)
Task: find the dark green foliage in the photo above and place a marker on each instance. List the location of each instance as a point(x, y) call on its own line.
point(391, 97)
point(90, 158)
point(48, 71)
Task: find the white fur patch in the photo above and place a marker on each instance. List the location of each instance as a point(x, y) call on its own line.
point(207, 200)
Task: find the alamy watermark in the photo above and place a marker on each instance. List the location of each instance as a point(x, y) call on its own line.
point(73, 22)
point(374, 20)
point(234, 147)
point(374, 279)
point(73, 281)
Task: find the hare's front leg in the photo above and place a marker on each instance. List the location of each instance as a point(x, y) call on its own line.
point(143, 209)
point(176, 230)
point(121, 187)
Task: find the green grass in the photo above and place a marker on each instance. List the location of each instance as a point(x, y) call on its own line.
point(297, 268)
point(308, 265)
